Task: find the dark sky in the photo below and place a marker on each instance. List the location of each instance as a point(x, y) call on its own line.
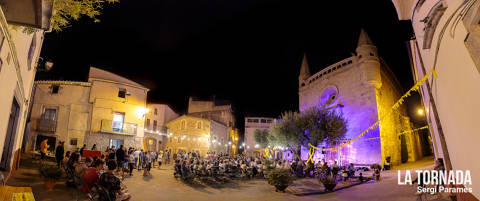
point(246, 51)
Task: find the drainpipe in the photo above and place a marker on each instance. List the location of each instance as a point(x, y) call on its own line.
point(441, 135)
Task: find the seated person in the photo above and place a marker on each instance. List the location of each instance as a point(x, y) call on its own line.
point(112, 183)
point(361, 178)
point(81, 167)
point(91, 176)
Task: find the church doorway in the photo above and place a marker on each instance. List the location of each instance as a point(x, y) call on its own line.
point(403, 149)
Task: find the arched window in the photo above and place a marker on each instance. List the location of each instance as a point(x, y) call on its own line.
point(199, 125)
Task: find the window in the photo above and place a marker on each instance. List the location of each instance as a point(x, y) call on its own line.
point(31, 51)
point(431, 22)
point(55, 88)
point(199, 125)
point(183, 124)
point(155, 125)
point(263, 121)
point(371, 54)
point(117, 123)
point(122, 93)
point(50, 114)
point(73, 141)
point(155, 111)
point(147, 124)
point(269, 121)
point(116, 143)
point(329, 96)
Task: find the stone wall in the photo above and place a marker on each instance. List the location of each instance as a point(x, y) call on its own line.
point(189, 138)
point(102, 140)
point(220, 133)
point(391, 125)
point(359, 108)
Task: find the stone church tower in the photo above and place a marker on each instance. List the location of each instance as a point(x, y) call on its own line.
point(364, 89)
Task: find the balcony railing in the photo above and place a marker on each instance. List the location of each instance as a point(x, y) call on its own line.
point(161, 129)
point(109, 126)
point(46, 125)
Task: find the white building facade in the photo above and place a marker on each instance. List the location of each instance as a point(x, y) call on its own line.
point(156, 130)
point(19, 54)
point(251, 125)
point(447, 39)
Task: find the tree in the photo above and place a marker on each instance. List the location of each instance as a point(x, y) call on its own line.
point(66, 11)
point(284, 133)
point(261, 138)
point(318, 125)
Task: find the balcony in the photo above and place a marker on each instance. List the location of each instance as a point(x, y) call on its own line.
point(46, 125)
point(124, 128)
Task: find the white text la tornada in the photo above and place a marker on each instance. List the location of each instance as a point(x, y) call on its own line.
point(435, 177)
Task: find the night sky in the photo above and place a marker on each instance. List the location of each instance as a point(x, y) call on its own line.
point(245, 51)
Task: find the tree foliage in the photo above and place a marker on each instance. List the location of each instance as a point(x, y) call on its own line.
point(261, 137)
point(318, 125)
point(66, 11)
point(284, 133)
point(312, 126)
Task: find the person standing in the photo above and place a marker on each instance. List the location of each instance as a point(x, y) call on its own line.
point(136, 153)
point(81, 150)
point(43, 149)
point(131, 161)
point(153, 157)
point(159, 160)
point(59, 151)
point(148, 163)
point(111, 154)
point(120, 154)
point(94, 147)
point(141, 160)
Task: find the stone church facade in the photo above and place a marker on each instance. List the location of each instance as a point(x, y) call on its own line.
point(363, 88)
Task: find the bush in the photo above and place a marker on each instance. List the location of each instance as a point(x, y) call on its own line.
point(280, 178)
point(328, 181)
point(51, 172)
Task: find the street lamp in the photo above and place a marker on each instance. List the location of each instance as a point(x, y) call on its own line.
point(420, 112)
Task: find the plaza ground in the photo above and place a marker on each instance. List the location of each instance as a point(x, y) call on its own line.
point(161, 185)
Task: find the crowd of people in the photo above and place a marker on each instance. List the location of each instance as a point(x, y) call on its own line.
point(108, 170)
point(191, 165)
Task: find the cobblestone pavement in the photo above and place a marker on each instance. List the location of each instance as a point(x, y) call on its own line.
point(161, 185)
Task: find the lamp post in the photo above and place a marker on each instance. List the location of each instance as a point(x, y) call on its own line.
point(420, 112)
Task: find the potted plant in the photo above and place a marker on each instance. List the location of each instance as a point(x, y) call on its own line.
point(280, 178)
point(328, 181)
point(51, 174)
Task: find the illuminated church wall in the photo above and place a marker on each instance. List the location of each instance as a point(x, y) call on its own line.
point(392, 124)
point(359, 109)
point(365, 87)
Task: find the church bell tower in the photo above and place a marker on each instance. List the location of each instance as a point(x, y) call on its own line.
point(304, 71)
point(368, 60)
